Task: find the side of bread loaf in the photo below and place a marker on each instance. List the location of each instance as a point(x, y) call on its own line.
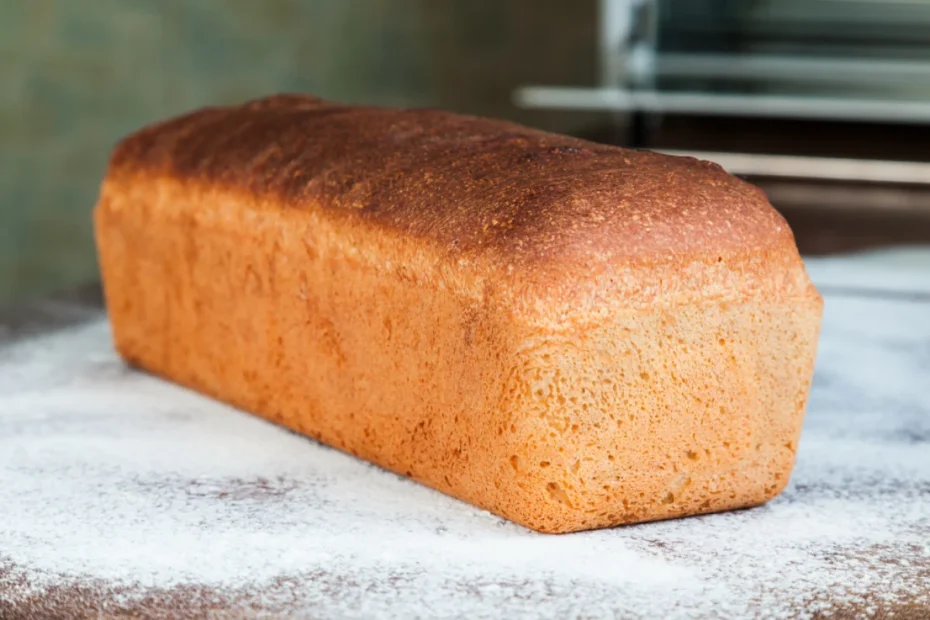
point(567, 334)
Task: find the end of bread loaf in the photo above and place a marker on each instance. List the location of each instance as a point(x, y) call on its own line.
point(569, 335)
point(656, 414)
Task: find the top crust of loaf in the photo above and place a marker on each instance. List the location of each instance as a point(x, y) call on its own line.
point(543, 216)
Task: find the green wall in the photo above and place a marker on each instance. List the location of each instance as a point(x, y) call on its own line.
point(79, 74)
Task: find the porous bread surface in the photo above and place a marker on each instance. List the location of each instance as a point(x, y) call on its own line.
point(567, 334)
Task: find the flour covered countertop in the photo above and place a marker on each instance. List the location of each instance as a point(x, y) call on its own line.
point(123, 494)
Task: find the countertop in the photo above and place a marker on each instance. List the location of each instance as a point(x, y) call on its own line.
point(123, 494)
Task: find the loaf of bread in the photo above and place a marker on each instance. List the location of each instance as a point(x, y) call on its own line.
point(566, 334)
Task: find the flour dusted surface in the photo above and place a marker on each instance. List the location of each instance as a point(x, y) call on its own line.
point(124, 492)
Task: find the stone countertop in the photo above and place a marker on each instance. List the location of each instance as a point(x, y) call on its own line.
point(123, 494)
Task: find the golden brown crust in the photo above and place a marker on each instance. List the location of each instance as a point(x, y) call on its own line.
point(519, 199)
point(569, 335)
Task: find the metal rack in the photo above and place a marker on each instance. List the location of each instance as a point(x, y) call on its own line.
point(632, 63)
point(635, 72)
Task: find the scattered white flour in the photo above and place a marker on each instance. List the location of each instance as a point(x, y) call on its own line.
point(109, 476)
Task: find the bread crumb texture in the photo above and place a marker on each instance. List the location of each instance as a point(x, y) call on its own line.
point(567, 334)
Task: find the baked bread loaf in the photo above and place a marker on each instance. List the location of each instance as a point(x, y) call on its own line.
point(567, 334)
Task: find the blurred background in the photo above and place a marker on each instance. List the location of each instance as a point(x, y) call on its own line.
point(825, 103)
